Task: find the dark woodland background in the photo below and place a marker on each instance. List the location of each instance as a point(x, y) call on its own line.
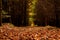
point(47, 12)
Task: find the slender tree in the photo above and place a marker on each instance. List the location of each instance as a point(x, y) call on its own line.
point(0, 12)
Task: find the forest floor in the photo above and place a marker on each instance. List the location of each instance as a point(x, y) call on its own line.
point(11, 32)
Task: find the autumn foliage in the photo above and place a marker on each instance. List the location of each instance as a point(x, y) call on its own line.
point(29, 33)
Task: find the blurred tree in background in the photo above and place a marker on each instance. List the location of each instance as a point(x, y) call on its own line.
point(47, 11)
